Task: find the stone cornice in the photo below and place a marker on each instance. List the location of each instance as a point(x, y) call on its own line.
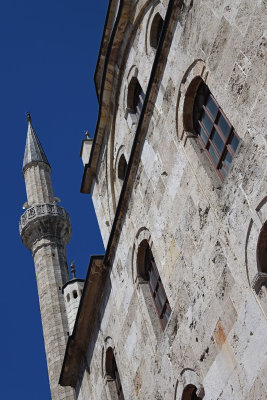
point(107, 31)
point(107, 77)
point(44, 220)
point(45, 166)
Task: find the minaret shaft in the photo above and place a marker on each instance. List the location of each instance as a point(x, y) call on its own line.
point(45, 229)
point(51, 274)
point(38, 184)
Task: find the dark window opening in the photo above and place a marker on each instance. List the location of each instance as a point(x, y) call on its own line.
point(135, 98)
point(151, 275)
point(262, 249)
point(217, 135)
point(190, 393)
point(75, 294)
point(122, 167)
point(155, 32)
point(113, 373)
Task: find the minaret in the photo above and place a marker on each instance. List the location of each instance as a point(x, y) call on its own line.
point(72, 292)
point(45, 229)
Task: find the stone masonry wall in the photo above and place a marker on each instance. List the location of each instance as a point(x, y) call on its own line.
point(202, 232)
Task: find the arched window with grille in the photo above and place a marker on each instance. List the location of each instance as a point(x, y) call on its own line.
point(259, 282)
point(135, 97)
point(113, 376)
point(216, 134)
point(262, 249)
point(148, 271)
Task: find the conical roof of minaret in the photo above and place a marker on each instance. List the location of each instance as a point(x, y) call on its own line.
point(33, 148)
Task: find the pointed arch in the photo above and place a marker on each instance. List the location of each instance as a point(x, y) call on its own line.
point(122, 167)
point(155, 30)
point(113, 376)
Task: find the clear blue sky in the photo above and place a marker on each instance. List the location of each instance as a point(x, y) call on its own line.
point(48, 56)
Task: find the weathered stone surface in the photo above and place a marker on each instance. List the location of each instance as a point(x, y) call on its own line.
point(197, 225)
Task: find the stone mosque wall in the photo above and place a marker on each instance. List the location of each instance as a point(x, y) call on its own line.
point(203, 231)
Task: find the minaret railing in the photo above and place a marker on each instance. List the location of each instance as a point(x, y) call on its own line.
point(41, 210)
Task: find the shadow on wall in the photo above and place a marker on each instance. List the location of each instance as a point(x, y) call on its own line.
point(86, 363)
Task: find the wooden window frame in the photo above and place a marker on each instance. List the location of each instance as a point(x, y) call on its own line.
point(155, 285)
point(226, 139)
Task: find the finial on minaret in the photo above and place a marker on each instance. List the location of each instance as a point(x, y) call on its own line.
point(33, 148)
point(87, 135)
point(28, 116)
point(73, 270)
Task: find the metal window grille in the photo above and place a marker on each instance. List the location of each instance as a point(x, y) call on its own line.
point(217, 135)
point(157, 290)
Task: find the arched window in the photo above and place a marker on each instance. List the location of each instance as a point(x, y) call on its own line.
point(256, 254)
point(190, 393)
point(113, 375)
point(122, 166)
point(217, 135)
point(262, 249)
point(148, 272)
point(259, 282)
point(155, 31)
point(135, 97)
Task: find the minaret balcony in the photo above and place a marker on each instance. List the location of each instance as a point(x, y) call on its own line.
point(44, 220)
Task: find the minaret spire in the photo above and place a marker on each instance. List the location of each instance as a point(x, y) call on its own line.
point(36, 170)
point(45, 229)
point(33, 149)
